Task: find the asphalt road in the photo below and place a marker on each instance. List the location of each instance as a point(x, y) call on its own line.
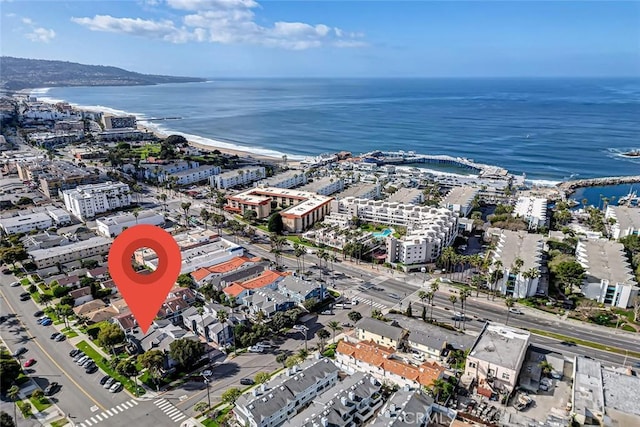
point(80, 395)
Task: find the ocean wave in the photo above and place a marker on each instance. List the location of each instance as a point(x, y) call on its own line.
point(542, 182)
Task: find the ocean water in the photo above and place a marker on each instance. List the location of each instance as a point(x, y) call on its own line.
point(549, 129)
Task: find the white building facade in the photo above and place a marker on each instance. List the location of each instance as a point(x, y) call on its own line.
point(626, 220)
point(533, 210)
point(26, 223)
point(86, 201)
point(518, 282)
point(237, 178)
point(112, 226)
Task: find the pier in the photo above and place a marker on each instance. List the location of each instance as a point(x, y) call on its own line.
point(158, 119)
point(570, 186)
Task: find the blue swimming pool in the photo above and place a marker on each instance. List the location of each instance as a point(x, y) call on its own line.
point(384, 233)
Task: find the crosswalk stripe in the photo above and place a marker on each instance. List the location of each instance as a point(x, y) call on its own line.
point(123, 407)
point(104, 414)
point(177, 419)
point(88, 422)
point(129, 404)
point(171, 412)
point(160, 401)
point(115, 409)
point(164, 405)
point(108, 411)
point(135, 402)
point(94, 420)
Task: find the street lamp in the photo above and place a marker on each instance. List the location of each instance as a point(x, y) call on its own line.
point(423, 270)
point(304, 331)
point(206, 382)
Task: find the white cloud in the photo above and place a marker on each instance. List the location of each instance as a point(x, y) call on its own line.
point(225, 22)
point(27, 21)
point(40, 34)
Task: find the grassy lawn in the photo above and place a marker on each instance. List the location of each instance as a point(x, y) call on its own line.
point(25, 282)
point(21, 405)
point(60, 423)
point(298, 240)
point(70, 333)
point(215, 422)
point(40, 404)
point(585, 343)
point(103, 364)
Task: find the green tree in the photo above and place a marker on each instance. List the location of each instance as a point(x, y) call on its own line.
point(546, 367)
point(231, 395)
point(249, 215)
point(60, 291)
point(205, 216)
point(262, 377)
point(110, 335)
point(32, 289)
point(201, 407)
point(67, 300)
point(281, 358)
point(322, 335)
point(14, 394)
point(354, 316)
point(153, 361)
point(334, 325)
point(291, 361)
point(6, 420)
point(9, 371)
point(185, 206)
point(508, 302)
point(185, 281)
point(570, 274)
point(441, 390)
point(186, 352)
point(275, 224)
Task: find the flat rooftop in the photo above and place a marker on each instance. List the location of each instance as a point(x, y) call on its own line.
point(519, 244)
point(588, 395)
point(236, 172)
point(460, 196)
point(24, 219)
point(357, 190)
point(405, 195)
point(127, 218)
point(194, 170)
point(604, 259)
point(319, 183)
point(621, 392)
point(501, 345)
point(93, 242)
point(626, 217)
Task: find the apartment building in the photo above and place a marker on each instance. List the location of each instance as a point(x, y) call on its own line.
point(74, 251)
point(59, 215)
point(533, 210)
point(608, 278)
point(411, 196)
point(627, 220)
point(110, 121)
point(496, 358)
point(280, 399)
point(324, 186)
point(51, 177)
point(289, 179)
point(512, 246)
point(26, 223)
point(237, 178)
point(302, 209)
point(382, 333)
point(352, 402)
point(267, 279)
point(195, 175)
point(408, 408)
point(86, 201)
point(361, 190)
point(52, 139)
point(235, 270)
point(460, 199)
point(385, 365)
point(113, 225)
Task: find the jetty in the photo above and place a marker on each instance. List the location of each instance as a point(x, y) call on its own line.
point(570, 186)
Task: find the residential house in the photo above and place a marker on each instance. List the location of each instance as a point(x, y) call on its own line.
point(301, 290)
point(281, 398)
point(267, 301)
point(386, 334)
point(269, 279)
point(408, 408)
point(81, 296)
point(235, 270)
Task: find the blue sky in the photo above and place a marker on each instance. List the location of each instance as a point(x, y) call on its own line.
point(252, 38)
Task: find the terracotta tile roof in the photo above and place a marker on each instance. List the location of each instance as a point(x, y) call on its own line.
point(230, 265)
point(429, 372)
point(266, 278)
point(233, 290)
point(366, 351)
point(200, 274)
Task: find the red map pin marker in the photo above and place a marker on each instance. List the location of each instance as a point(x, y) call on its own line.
point(144, 293)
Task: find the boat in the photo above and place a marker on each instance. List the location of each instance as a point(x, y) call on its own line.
point(630, 199)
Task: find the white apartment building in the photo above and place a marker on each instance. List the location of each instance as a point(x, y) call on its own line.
point(26, 223)
point(533, 210)
point(324, 186)
point(288, 179)
point(59, 216)
point(280, 399)
point(609, 278)
point(236, 178)
point(513, 245)
point(413, 196)
point(86, 201)
point(71, 252)
point(112, 226)
point(627, 220)
point(460, 199)
point(361, 190)
point(194, 175)
point(425, 244)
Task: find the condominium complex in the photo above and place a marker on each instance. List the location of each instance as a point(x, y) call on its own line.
point(51, 177)
point(609, 278)
point(361, 191)
point(514, 248)
point(194, 175)
point(533, 210)
point(237, 178)
point(113, 225)
point(71, 252)
point(325, 186)
point(413, 196)
point(26, 223)
point(280, 399)
point(627, 220)
point(302, 209)
point(118, 122)
point(495, 360)
point(86, 201)
point(460, 199)
point(407, 408)
point(288, 179)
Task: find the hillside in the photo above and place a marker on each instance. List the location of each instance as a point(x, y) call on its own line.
point(22, 73)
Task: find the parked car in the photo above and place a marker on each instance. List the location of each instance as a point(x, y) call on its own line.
point(246, 381)
point(265, 344)
point(29, 362)
point(60, 338)
point(38, 313)
point(82, 359)
point(25, 296)
point(115, 388)
point(51, 388)
point(347, 325)
point(104, 379)
point(109, 383)
point(327, 312)
point(42, 319)
point(54, 335)
point(299, 327)
point(19, 352)
point(47, 322)
point(394, 296)
point(91, 369)
point(78, 356)
point(256, 349)
point(73, 352)
point(515, 310)
point(87, 363)
point(15, 284)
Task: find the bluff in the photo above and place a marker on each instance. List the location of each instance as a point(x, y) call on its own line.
point(22, 73)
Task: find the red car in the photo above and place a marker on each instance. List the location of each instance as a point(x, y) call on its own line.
point(29, 362)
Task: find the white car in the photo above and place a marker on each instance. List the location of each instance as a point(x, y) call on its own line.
point(515, 310)
point(256, 349)
point(115, 388)
point(299, 327)
point(15, 284)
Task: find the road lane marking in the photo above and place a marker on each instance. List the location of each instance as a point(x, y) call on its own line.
point(33, 339)
point(104, 414)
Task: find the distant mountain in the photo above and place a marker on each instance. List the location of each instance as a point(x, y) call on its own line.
point(22, 73)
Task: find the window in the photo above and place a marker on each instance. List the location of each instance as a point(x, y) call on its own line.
point(505, 376)
point(472, 365)
point(492, 372)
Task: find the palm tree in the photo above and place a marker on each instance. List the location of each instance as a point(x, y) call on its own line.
point(530, 274)
point(430, 296)
point(334, 326)
point(136, 213)
point(497, 268)
point(509, 303)
point(185, 207)
point(14, 393)
point(223, 318)
point(515, 270)
point(205, 215)
point(546, 367)
point(200, 311)
point(163, 199)
point(422, 295)
point(464, 294)
point(454, 300)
